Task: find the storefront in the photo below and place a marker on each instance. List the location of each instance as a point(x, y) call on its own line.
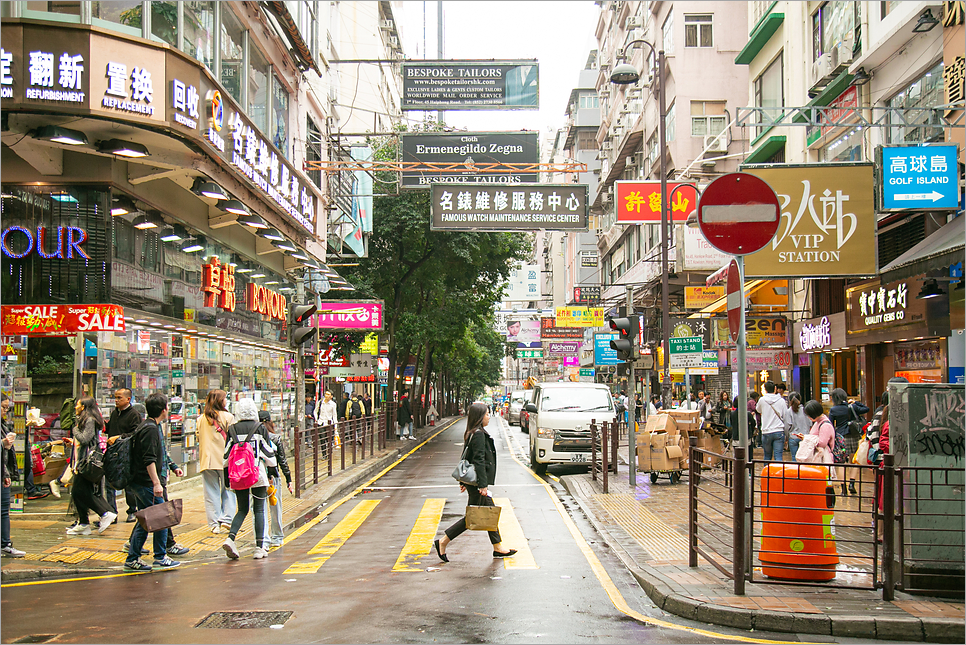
point(823, 360)
point(897, 329)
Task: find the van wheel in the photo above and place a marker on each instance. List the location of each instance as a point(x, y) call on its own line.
point(540, 469)
point(653, 478)
point(675, 477)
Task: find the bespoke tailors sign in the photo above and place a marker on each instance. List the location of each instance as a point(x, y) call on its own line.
point(524, 207)
point(470, 85)
point(456, 157)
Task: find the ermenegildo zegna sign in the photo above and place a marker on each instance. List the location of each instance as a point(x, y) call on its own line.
point(524, 207)
point(470, 85)
point(469, 149)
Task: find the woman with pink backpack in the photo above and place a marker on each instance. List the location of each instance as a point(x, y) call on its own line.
point(249, 462)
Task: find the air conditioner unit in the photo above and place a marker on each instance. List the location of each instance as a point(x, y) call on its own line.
point(841, 56)
point(632, 161)
point(387, 25)
point(634, 22)
point(604, 93)
point(716, 143)
point(394, 42)
point(607, 145)
point(607, 197)
point(820, 69)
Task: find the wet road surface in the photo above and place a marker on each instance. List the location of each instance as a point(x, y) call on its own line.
point(364, 571)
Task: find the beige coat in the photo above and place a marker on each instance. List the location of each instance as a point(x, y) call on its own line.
point(211, 445)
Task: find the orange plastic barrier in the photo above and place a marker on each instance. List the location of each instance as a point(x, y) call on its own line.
point(797, 523)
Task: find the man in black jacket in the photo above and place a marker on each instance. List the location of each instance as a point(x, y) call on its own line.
point(9, 468)
point(124, 420)
point(147, 460)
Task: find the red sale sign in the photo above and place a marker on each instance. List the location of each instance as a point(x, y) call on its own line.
point(640, 201)
point(60, 320)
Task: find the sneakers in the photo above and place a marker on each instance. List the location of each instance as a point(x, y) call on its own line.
point(37, 495)
point(166, 563)
point(55, 488)
point(215, 528)
point(259, 553)
point(79, 529)
point(230, 550)
point(276, 543)
point(130, 518)
point(177, 549)
point(11, 552)
point(127, 547)
point(106, 520)
point(136, 566)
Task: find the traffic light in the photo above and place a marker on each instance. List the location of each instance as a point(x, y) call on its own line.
point(298, 316)
point(628, 328)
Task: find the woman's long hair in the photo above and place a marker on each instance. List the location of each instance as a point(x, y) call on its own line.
point(474, 418)
point(214, 404)
point(795, 401)
point(90, 411)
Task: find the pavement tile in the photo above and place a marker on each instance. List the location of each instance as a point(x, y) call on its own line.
point(928, 608)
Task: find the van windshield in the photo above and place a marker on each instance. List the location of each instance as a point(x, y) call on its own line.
point(578, 400)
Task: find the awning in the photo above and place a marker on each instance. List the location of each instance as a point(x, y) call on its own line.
point(935, 253)
point(721, 304)
point(292, 31)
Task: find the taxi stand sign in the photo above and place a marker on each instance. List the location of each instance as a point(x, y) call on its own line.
point(920, 177)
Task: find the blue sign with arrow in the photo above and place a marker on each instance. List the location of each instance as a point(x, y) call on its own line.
point(919, 178)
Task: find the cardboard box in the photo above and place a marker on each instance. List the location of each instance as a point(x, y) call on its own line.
point(643, 457)
point(658, 440)
point(661, 423)
point(685, 415)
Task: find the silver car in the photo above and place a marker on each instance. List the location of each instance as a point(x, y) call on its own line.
point(518, 399)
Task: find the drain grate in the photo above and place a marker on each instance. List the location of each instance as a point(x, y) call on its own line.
point(243, 619)
point(36, 638)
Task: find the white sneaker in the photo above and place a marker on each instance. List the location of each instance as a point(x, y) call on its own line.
point(11, 552)
point(80, 529)
point(259, 553)
point(215, 528)
point(106, 520)
point(54, 488)
point(230, 550)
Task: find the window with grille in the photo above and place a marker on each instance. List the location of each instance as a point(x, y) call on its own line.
point(313, 150)
point(707, 117)
point(769, 89)
point(698, 30)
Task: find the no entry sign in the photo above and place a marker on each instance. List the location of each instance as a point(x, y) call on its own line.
point(738, 213)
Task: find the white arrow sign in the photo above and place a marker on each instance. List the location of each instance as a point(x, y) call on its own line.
point(934, 196)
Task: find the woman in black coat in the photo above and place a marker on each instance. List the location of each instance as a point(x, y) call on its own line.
point(840, 414)
point(481, 452)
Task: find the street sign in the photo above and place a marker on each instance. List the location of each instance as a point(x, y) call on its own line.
point(530, 353)
point(734, 300)
point(686, 352)
point(586, 371)
point(709, 365)
point(603, 354)
point(919, 177)
point(738, 213)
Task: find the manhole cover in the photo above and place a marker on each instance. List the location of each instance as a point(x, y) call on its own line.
point(240, 620)
point(36, 638)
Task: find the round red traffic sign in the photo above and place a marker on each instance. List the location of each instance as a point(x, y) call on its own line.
point(738, 213)
point(734, 300)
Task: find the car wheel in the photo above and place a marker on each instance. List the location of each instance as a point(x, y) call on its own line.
point(540, 469)
point(653, 478)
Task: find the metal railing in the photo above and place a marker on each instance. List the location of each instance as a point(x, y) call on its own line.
point(870, 541)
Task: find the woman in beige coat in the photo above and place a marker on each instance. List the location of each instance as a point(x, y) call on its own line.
point(212, 429)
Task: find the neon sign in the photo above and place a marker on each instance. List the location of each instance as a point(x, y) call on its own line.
point(267, 302)
point(218, 284)
point(75, 237)
point(816, 336)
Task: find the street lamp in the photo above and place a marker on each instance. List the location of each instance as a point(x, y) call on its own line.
point(626, 74)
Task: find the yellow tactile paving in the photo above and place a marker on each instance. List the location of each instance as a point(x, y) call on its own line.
point(660, 540)
point(420, 540)
point(513, 537)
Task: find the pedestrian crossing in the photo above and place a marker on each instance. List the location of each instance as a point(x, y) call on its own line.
point(419, 543)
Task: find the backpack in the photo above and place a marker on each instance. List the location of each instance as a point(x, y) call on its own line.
point(838, 449)
point(356, 409)
point(242, 465)
point(67, 414)
point(117, 462)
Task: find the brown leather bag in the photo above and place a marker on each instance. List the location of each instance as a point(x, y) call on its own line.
point(160, 516)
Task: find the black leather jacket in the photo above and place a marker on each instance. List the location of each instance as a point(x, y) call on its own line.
point(481, 452)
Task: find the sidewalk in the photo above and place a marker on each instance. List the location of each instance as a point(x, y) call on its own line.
point(647, 527)
point(51, 553)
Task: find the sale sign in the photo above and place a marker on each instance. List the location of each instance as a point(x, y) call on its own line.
point(60, 320)
point(346, 314)
point(640, 201)
point(764, 359)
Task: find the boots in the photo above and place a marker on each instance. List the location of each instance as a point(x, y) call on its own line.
point(852, 487)
point(844, 492)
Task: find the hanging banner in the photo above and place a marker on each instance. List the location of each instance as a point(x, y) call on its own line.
point(522, 207)
point(580, 316)
point(465, 150)
point(470, 85)
point(523, 285)
point(60, 320)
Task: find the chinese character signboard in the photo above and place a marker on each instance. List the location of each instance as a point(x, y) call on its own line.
point(589, 259)
point(580, 316)
point(218, 284)
point(530, 353)
point(827, 226)
point(640, 201)
point(701, 297)
point(823, 334)
point(60, 320)
point(891, 311)
point(919, 177)
point(550, 331)
point(523, 285)
point(470, 85)
point(455, 157)
point(344, 314)
point(586, 295)
point(359, 365)
point(525, 207)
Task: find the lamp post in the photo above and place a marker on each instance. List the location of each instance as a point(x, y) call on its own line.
point(627, 74)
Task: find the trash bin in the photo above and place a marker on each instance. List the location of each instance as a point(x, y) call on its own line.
point(798, 537)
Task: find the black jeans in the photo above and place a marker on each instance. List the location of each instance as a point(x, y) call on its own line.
point(260, 493)
point(86, 500)
point(474, 499)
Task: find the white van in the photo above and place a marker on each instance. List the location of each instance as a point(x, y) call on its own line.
point(560, 417)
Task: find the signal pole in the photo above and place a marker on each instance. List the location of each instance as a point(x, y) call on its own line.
point(631, 402)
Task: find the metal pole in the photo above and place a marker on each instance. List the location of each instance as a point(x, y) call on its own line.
point(742, 369)
point(665, 283)
point(300, 370)
point(687, 388)
point(440, 114)
point(631, 390)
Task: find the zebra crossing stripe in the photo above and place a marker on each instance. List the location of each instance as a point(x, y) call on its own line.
point(513, 537)
point(335, 538)
point(420, 541)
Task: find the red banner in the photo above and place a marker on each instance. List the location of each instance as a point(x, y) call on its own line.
point(640, 201)
point(60, 320)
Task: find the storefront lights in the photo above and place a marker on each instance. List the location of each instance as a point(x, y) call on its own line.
point(58, 134)
point(193, 246)
point(253, 221)
point(208, 189)
point(64, 196)
point(272, 234)
point(148, 220)
point(286, 246)
point(236, 207)
point(257, 275)
point(122, 205)
point(173, 234)
point(123, 148)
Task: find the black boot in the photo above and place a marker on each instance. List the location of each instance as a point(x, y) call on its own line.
point(852, 487)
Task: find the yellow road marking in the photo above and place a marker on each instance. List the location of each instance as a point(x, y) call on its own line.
point(335, 538)
point(611, 589)
point(33, 583)
point(513, 536)
point(420, 541)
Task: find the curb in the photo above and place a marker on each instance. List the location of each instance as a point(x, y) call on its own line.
point(905, 629)
point(350, 482)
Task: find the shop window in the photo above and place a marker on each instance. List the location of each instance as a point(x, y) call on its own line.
point(232, 54)
point(313, 150)
point(769, 89)
point(69, 8)
point(667, 32)
point(835, 25)
point(279, 124)
point(123, 240)
point(259, 74)
point(199, 32)
point(669, 124)
point(925, 92)
point(126, 13)
point(698, 30)
point(164, 21)
point(886, 7)
point(707, 117)
point(847, 147)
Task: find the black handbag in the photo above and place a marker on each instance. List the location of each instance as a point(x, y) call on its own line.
point(91, 466)
point(855, 426)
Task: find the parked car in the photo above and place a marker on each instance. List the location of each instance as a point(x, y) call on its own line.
point(561, 414)
point(518, 399)
point(524, 415)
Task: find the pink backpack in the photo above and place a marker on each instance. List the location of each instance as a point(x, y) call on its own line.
point(242, 465)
